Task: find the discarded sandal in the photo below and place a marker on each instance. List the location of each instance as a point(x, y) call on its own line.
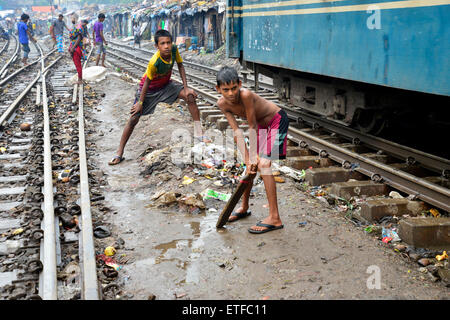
point(269, 227)
point(114, 161)
point(239, 215)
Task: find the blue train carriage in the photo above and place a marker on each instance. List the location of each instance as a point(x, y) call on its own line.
point(346, 59)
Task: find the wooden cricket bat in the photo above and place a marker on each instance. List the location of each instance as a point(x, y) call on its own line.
point(235, 197)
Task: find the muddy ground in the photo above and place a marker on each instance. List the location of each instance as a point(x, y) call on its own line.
point(173, 253)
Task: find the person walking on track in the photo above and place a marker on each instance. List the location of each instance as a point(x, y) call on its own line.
point(57, 32)
point(99, 39)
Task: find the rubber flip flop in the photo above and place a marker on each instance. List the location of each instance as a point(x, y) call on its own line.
point(269, 227)
point(112, 163)
point(239, 215)
point(101, 232)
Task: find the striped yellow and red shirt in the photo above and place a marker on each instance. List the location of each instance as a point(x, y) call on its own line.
point(159, 70)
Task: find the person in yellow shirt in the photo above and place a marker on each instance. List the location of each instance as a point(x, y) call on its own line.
point(156, 86)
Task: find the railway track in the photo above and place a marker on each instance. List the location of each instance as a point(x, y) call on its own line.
point(10, 53)
point(4, 46)
point(415, 173)
point(46, 237)
point(143, 55)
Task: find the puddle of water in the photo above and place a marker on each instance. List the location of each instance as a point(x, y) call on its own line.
point(173, 248)
point(172, 251)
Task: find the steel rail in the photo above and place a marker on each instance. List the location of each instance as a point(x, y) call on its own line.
point(90, 289)
point(12, 75)
point(7, 113)
point(5, 46)
point(428, 161)
point(49, 287)
point(49, 273)
point(422, 189)
point(14, 56)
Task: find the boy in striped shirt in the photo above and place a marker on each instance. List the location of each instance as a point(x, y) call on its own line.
point(156, 86)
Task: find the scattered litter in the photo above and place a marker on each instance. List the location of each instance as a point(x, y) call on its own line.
point(292, 173)
point(373, 229)
point(443, 256)
point(91, 74)
point(211, 194)
point(17, 231)
point(303, 223)
point(187, 180)
point(317, 192)
point(181, 295)
point(68, 221)
point(110, 262)
point(166, 198)
point(193, 200)
point(424, 262)
point(279, 179)
point(64, 175)
point(400, 248)
point(435, 213)
point(110, 251)
point(395, 195)
point(389, 235)
point(25, 126)
point(154, 156)
point(386, 239)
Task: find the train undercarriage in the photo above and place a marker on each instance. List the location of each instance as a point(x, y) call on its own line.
point(365, 107)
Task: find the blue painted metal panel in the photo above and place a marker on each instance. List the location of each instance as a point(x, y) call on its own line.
point(410, 50)
point(234, 29)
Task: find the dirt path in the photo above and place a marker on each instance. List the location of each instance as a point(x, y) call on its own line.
point(173, 254)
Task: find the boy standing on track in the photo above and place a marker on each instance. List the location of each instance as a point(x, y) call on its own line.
point(24, 34)
point(268, 126)
point(99, 39)
point(156, 86)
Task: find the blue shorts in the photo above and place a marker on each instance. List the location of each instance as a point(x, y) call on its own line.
point(26, 49)
point(100, 48)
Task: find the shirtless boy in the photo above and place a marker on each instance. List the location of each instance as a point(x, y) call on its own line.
point(268, 126)
point(156, 86)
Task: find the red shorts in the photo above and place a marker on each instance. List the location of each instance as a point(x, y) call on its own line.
point(272, 140)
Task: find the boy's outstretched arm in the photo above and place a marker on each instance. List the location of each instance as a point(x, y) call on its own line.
point(136, 109)
point(238, 137)
point(247, 101)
